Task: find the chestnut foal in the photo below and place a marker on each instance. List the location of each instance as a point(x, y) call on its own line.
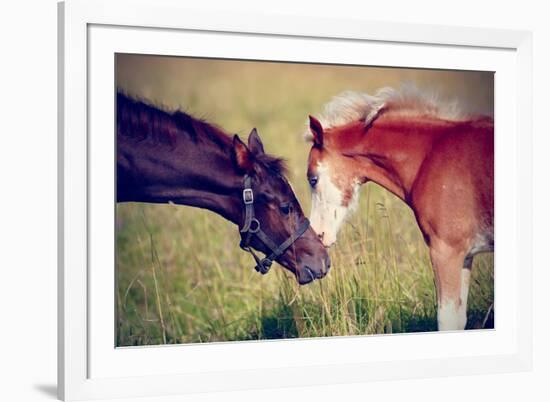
point(436, 160)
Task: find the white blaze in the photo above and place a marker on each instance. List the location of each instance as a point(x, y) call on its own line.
point(327, 212)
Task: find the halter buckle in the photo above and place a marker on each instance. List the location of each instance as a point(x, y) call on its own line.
point(248, 196)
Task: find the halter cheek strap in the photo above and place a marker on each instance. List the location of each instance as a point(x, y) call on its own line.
point(252, 227)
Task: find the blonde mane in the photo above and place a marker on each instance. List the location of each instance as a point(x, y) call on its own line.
point(350, 106)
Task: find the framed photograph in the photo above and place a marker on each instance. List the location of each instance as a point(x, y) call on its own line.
point(253, 201)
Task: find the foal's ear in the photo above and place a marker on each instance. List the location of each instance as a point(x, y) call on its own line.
point(255, 143)
point(317, 131)
point(241, 155)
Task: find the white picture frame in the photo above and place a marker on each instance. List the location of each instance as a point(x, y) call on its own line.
point(90, 32)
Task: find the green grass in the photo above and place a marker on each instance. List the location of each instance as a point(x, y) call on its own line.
point(181, 276)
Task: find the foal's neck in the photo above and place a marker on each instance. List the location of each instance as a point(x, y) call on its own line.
point(393, 150)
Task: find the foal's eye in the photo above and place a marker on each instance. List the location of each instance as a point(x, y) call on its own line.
point(313, 181)
point(285, 208)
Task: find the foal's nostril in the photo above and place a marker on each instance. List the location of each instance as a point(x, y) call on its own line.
point(321, 235)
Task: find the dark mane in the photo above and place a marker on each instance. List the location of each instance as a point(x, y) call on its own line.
point(272, 164)
point(140, 120)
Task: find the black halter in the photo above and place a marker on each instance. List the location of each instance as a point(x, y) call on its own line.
point(252, 227)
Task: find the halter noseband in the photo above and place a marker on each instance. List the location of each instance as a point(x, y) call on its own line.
point(252, 227)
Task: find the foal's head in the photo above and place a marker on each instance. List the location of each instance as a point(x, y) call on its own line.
point(334, 178)
point(278, 211)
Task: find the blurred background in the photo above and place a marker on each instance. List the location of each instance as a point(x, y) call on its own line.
point(181, 276)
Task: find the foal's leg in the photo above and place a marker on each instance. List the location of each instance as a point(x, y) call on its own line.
point(452, 283)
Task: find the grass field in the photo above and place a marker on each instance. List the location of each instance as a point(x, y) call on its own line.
point(181, 276)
